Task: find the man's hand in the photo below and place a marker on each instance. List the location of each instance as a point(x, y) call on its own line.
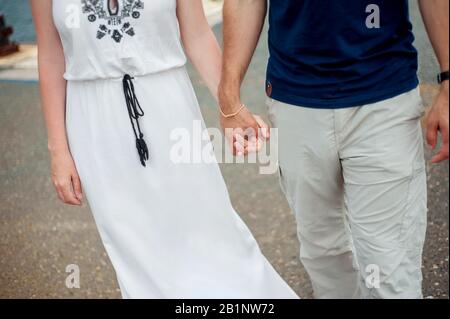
point(245, 132)
point(437, 121)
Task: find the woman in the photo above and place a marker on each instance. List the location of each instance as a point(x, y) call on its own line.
point(114, 87)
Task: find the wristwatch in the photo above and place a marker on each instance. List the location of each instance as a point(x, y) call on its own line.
point(444, 76)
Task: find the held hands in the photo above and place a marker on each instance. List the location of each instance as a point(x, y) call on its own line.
point(245, 132)
point(65, 179)
point(438, 121)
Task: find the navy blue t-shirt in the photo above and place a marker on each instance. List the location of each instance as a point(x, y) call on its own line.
point(340, 53)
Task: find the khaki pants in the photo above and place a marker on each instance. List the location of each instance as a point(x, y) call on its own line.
point(356, 180)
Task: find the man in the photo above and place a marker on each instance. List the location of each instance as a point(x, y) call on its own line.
point(342, 90)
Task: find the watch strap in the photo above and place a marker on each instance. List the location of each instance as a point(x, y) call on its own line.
point(444, 76)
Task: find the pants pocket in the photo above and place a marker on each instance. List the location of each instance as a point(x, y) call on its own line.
point(419, 106)
point(414, 222)
point(283, 183)
point(270, 104)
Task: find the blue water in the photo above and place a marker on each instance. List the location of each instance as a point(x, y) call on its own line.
point(18, 15)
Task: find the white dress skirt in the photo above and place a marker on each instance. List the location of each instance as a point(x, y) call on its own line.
point(169, 229)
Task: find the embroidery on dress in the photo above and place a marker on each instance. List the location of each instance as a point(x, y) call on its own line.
point(116, 25)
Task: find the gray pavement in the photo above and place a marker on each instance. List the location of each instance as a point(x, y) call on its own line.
point(40, 236)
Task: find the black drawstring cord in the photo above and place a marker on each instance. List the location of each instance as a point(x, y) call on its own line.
point(135, 111)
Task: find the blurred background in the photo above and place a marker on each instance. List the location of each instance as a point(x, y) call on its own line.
point(39, 236)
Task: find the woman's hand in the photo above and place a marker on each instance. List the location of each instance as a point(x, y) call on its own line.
point(65, 179)
point(53, 92)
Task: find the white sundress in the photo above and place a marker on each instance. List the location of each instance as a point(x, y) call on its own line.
point(169, 229)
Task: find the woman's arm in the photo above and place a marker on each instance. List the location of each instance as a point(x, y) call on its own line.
point(53, 94)
point(200, 43)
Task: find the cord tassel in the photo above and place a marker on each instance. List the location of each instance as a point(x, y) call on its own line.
point(142, 150)
point(135, 111)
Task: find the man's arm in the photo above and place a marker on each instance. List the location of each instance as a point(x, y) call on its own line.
point(243, 23)
point(435, 14)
